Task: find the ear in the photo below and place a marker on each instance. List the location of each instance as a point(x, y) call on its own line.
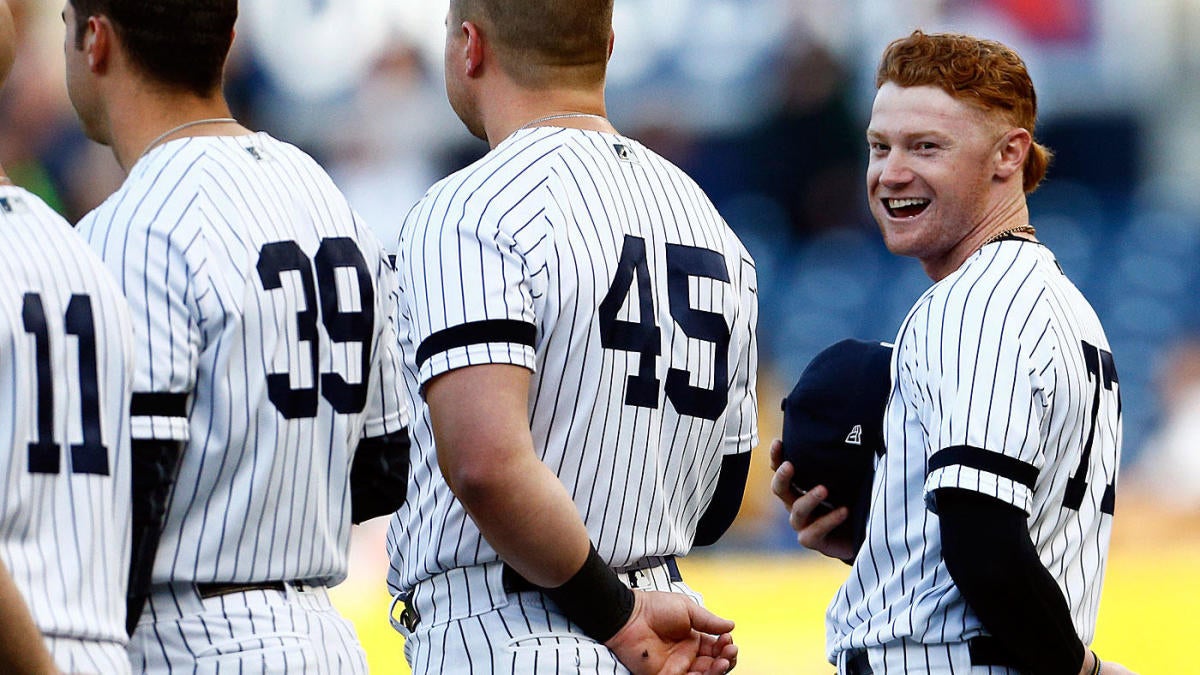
point(473, 48)
point(98, 43)
point(1013, 149)
point(612, 39)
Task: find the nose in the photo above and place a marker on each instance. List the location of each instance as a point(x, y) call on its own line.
point(893, 170)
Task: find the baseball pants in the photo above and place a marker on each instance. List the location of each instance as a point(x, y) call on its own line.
point(901, 657)
point(464, 622)
point(293, 630)
point(88, 656)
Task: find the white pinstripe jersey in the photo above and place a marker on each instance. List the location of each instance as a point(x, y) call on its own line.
point(262, 310)
point(66, 375)
point(1003, 383)
point(596, 264)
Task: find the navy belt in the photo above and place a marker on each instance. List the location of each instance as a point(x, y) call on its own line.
point(206, 591)
point(985, 651)
point(515, 583)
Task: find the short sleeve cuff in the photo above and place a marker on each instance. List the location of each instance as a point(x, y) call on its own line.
point(736, 445)
point(501, 341)
point(1005, 478)
point(159, 417)
point(389, 424)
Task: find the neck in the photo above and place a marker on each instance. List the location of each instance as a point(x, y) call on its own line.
point(138, 120)
point(506, 116)
point(1005, 215)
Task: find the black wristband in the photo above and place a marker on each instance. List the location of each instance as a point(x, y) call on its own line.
point(594, 599)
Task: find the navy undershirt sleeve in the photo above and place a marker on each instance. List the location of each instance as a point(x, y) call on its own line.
point(726, 501)
point(990, 556)
point(379, 476)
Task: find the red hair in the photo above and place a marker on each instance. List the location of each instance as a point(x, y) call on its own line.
point(983, 72)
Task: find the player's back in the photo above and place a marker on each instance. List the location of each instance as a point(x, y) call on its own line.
point(65, 383)
point(268, 312)
point(644, 359)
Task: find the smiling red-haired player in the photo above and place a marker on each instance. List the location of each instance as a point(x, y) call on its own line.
point(992, 506)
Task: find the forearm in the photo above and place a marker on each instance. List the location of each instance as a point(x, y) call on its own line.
point(155, 467)
point(526, 515)
point(485, 452)
point(992, 560)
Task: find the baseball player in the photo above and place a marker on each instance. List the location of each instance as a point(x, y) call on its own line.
point(66, 377)
point(267, 356)
point(992, 507)
point(578, 329)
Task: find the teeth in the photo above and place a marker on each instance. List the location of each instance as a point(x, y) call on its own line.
point(902, 203)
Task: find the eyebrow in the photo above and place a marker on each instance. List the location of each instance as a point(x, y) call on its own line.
point(908, 135)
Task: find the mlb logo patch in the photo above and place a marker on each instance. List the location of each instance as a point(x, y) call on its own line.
point(624, 152)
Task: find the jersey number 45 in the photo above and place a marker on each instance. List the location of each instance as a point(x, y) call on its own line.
point(645, 337)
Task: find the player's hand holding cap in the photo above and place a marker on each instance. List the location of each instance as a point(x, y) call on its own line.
point(833, 424)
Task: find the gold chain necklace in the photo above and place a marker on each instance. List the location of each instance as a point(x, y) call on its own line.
point(1019, 229)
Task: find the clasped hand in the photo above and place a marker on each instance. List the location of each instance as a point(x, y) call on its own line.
point(669, 634)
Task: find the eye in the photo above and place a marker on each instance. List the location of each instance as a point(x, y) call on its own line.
point(878, 148)
point(926, 146)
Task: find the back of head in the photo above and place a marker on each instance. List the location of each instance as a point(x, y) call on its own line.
point(8, 41)
point(544, 43)
point(181, 44)
point(984, 73)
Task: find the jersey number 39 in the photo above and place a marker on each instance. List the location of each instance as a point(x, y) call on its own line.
point(342, 325)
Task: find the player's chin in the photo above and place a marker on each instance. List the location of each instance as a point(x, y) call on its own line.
point(900, 237)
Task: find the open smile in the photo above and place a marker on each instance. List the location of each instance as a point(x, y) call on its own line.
point(908, 207)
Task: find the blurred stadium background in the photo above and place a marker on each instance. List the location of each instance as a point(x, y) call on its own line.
point(764, 102)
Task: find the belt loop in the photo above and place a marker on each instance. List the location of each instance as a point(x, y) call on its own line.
point(409, 618)
point(673, 570)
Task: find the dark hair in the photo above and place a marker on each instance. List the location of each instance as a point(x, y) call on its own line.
point(545, 36)
point(986, 73)
point(178, 43)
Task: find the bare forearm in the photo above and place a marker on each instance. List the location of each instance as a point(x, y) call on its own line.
point(525, 513)
point(485, 452)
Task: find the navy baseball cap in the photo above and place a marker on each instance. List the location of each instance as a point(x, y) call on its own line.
point(833, 422)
